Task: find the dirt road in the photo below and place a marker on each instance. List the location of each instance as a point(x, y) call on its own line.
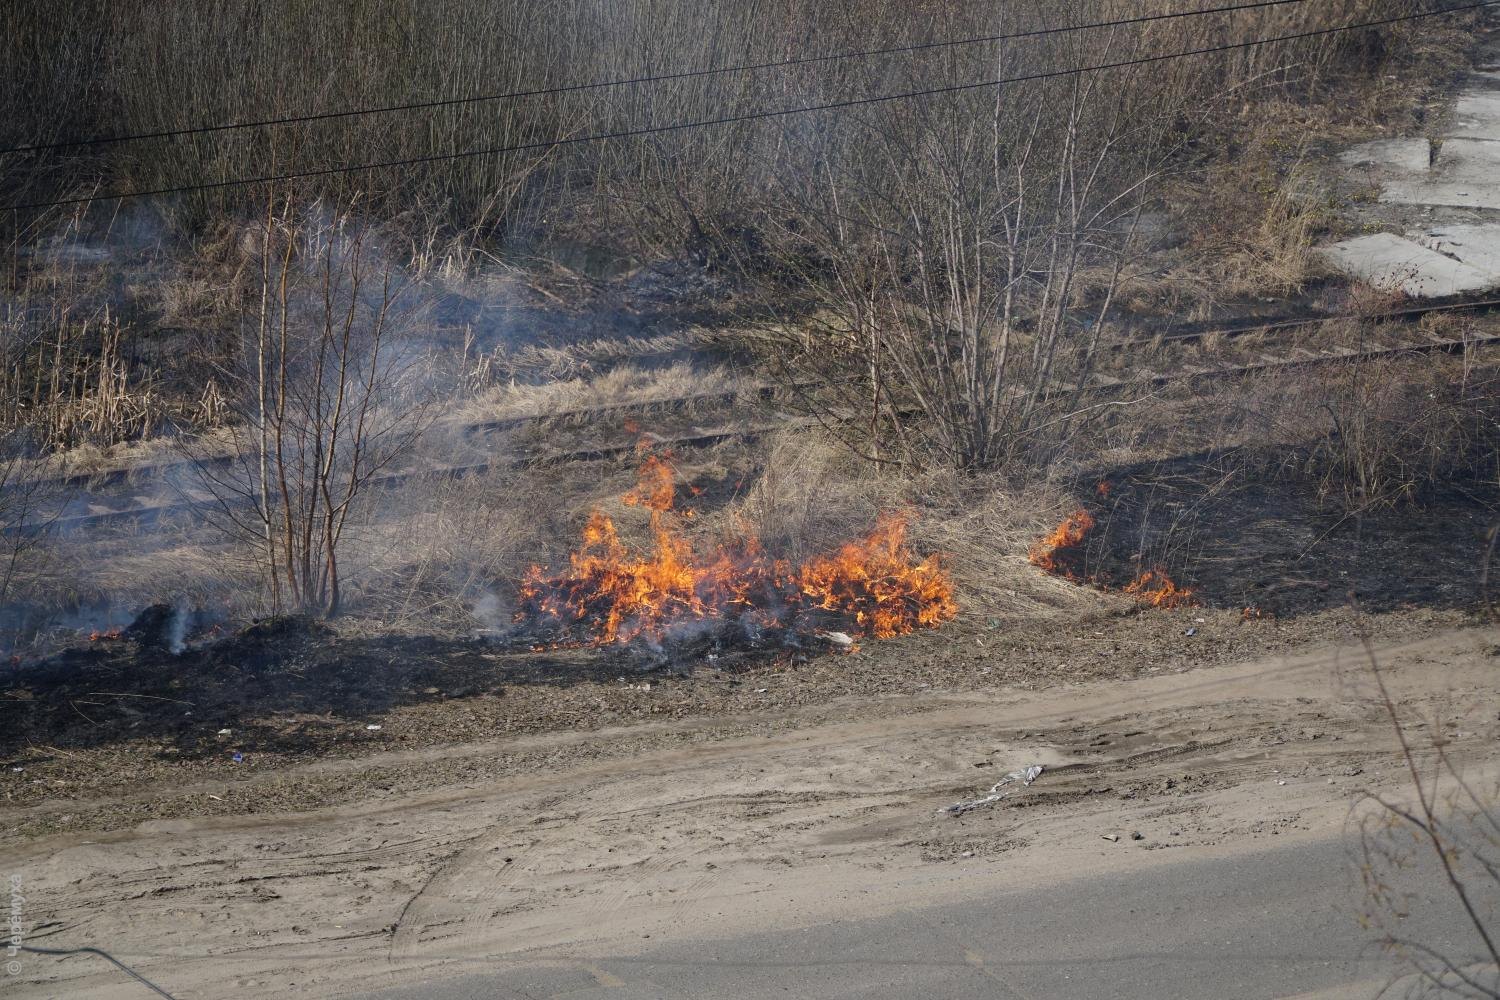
point(835, 818)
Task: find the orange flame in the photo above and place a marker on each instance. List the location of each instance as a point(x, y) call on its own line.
point(1065, 537)
point(610, 593)
point(1154, 588)
point(99, 635)
point(1057, 552)
point(875, 582)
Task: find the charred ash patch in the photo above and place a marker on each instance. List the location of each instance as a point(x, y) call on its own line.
point(278, 683)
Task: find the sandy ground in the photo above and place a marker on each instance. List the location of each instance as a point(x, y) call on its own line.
point(762, 822)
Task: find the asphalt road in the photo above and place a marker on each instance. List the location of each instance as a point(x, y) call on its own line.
point(1274, 924)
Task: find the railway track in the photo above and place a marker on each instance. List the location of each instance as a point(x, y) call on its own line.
point(93, 507)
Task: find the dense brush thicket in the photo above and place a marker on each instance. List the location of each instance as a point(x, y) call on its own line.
point(101, 68)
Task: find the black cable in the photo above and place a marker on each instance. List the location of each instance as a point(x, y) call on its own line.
point(104, 955)
point(748, 116)
point(634, 81)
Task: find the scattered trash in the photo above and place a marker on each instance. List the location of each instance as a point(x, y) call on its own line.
point(1113, 838)
point(761, 690)
point(373, 728)
point(1191, 632)
point(1025, 776)
point(226, 732)
point(237, 757)
point(967, 854)
point(216, 798)
point(1282, 781)
point(18, 770)
point(840, 639)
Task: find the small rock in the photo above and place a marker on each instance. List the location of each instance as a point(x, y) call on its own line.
point(1137, 835)
point(967, 854)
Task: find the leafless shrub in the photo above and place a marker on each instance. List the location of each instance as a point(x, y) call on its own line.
point(1398, 432)
point(325, 399)
point(956, 285)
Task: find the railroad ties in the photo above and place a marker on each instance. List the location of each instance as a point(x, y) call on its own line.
point(122, 497)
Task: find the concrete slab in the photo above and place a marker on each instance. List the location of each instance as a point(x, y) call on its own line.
point(1410, 155)
point(1457, 194)
point(1466, 158)
point(1466, 173)
point(1392, 263)
point(1477, 115)
point(1476, 245)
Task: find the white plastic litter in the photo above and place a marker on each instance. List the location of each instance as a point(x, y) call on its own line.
point(373, 728)
point(1024, 777)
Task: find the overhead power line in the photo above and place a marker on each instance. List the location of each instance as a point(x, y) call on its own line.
point(745, 117)
point(639, 80)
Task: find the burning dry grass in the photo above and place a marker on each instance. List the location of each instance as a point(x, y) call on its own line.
point(1154, 588)
point(812, 494)
point(420, 558)
point(1062, 553)
point(1052, 552)
point(875, 586)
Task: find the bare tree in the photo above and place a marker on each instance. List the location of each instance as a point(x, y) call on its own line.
point(325, 401)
